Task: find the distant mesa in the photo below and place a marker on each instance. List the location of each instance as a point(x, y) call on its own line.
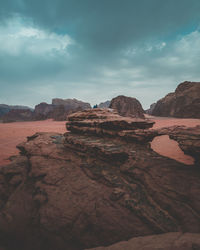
point(17, 115)
point(6, 108)
point(127, 106)
point(183, 103)
point(59, 109)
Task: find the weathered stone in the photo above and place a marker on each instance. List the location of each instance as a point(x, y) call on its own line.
point(127, 106)
point(184, 102)
point(82, 190)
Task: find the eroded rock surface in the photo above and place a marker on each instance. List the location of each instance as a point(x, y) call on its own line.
point(188, 139)
point(93, 186)
point(184, 102)
point(127, 106)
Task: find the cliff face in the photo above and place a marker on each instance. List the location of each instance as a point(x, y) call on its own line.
point(127, 106)
point(183, 103)
point(97, 184)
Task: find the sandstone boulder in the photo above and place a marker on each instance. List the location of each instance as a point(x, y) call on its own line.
point(183, 103)
point(127, 106)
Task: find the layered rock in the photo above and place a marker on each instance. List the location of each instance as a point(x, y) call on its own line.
point(183, 103)
point(93, 186)
point(127, 106)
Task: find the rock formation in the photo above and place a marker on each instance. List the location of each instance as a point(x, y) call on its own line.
point(104, 104)
point(168, 241)
point(150, 110)
point(17, 115)
point(183, 103)
point(59, 109)
point(43, 111)
point(71, 104)
point(188, 139)
point(127, 106)
point(4, 108)
point(98, 184)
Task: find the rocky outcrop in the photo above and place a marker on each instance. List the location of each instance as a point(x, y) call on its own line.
point(59, 109)
point(183, 103)
point(168, 241)
point(188, 139)
point(43, 111)
point(127, 106)
point(104, 104)
point(71, 104)
point(150, 110)
point(17, 115)
point(4, 108)
point(98, 184)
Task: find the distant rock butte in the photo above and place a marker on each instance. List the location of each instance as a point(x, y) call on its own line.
point(104, 104)
point(4, 108)
point(183, 103)
point(98, 184)
point(71, 104)
point(127, 106)
point(17, 115)
point(59, 109)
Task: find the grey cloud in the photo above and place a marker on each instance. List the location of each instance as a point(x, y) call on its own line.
point(96, 67)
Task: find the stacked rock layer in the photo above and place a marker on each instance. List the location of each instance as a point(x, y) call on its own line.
point(97, 184)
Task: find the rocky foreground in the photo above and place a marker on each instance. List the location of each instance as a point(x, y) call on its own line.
point(98, 184)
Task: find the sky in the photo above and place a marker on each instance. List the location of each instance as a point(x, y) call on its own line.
point(94, 50)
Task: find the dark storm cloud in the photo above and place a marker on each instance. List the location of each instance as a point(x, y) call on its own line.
point(108, 24)
point(96, 49)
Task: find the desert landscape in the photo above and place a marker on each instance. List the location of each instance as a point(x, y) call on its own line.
point(99, 125)
point(114, 177)
point(14, 133)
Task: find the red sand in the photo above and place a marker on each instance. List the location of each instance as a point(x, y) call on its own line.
point(12, 134)
point(163, 145)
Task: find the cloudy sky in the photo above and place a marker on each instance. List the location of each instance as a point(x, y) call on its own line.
point(94, 50)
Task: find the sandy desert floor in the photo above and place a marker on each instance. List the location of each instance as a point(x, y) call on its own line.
point(12, 134)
